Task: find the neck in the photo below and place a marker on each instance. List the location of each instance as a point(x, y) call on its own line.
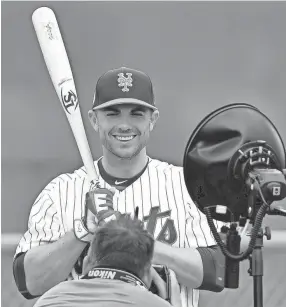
point(114, 267)
point(124, 275)
point(124, 168)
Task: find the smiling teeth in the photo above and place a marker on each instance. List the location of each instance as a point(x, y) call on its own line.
point(124, 138)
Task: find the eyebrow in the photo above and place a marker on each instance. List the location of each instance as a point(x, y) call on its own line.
point(114, 109)
point(139, 108)
point(110, 109)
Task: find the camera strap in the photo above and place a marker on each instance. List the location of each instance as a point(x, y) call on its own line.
point(114, 274)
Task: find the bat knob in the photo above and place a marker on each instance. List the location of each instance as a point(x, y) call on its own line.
point(95, 185)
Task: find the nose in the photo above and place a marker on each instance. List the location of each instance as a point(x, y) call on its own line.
point(125, 122)
point(124, 128)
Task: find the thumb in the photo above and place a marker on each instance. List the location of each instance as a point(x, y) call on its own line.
point(112, 190)
point(90, 204)
point(175, 290)
point(160, 283)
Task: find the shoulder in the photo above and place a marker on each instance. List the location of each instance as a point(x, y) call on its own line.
point(172, 174)
point(148, 298)
point(140, 296)
point(76, 176)
point(174, 177)
point(100, 289)
point(164, 166)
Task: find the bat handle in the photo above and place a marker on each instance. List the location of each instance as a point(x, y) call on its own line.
point(94, 184)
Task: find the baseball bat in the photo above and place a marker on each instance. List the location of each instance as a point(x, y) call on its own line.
point(57, 62)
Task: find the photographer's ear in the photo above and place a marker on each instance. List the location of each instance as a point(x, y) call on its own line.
point(93, 120)
point(154, 118)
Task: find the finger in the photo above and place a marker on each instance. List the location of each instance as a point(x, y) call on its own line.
point(107, 199)
point(110, 217)
point(109, 205)
point(112, 190)
point(106, 208)
point(104, 191)
point(100, 197)
point(134, 214)
point(175, 290)
point(110, 195)
point(92, 222)
point(91, 207)
point(107, 216)
point(104, 198)
point(160, 284)
point(100, 191)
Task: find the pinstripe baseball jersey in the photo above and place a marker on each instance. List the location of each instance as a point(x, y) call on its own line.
point(159, 192)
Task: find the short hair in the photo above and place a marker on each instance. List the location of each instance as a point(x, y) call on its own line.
point(124, 244)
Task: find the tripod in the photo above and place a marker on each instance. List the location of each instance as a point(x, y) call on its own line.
point(231, 250)
point(255, 259)
point(256, 266)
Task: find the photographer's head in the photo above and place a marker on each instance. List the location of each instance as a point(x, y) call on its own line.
point(122, 244)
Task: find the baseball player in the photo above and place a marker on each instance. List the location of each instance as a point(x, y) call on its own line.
point(117, 271)
point(52, 249)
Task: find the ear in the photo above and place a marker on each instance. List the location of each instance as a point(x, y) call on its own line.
point(93, 119)
point(154, 118)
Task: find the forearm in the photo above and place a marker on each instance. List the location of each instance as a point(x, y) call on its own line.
point(46, 266)
point(185, 262)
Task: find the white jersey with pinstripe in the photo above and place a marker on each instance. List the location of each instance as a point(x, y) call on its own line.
point(160, 193)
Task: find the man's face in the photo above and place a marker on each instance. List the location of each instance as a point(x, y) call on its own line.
point(124, 130)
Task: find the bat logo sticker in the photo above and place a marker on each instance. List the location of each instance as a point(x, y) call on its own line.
point(69, 100)
point(51, 31)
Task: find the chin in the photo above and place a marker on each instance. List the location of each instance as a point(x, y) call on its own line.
point(126, 154)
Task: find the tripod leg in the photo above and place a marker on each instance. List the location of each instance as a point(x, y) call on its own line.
point(258, 291)
point(257, 270)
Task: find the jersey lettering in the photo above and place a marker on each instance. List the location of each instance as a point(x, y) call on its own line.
point(168, 233)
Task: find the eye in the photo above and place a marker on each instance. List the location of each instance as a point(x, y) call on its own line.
point(138, 113)
point(111, 113)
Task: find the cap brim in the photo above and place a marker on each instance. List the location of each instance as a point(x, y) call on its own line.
point(124, 101)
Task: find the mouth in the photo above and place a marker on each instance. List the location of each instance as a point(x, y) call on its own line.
point(125, 138)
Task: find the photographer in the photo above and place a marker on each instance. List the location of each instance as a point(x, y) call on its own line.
point(117, 271)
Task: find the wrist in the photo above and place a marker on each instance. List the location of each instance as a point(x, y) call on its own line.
point(81, 232)
point(163, 254)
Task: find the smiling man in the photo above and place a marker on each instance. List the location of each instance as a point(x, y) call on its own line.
point(124, 115)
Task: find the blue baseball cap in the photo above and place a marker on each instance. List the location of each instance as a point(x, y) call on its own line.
point(123, 85)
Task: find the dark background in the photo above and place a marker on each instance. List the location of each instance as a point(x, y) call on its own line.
point(199, 55)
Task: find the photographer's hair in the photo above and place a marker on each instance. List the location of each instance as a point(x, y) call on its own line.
point(123, 244)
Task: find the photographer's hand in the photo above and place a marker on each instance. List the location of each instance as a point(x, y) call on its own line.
point(160, 284)
point(175, 294)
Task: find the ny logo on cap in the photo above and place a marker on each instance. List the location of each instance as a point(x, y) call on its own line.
point(125, 81)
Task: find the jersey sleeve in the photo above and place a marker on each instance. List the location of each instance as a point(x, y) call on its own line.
point(198, 232)
point(44, 223)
